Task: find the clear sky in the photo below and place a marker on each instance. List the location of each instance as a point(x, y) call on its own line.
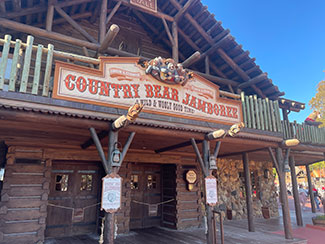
point(287, 38)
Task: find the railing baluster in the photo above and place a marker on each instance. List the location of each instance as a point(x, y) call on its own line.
point(4, 60)
point(277, 115)
point(14, 66)
point(257, 113)
point(268, 111)
point(48, 70)
point(37, 70)
point(260, 108)
point(251, 102)
point(242, 96)
point(27, 59)
point(265, 115)
point(272, 116)
point(248, 109)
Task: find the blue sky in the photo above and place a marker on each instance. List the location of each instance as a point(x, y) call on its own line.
point(286, 37)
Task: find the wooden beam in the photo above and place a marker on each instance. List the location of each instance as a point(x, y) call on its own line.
point(114, 10)
point(126, 146)
point(49, 17)
point(109, 38)
point(86, 53)
point(252, 81)
point(184, 9)
point(3, 7)
point(74, 24)
point(102, 21)
point(295, 190)
point(217, 79)
point(176, 146)
point(171, 39)
point(192, 59)
point(99, 147)
point(248, 189)
point(17, 4)
point(101, 135)
point(216, 45)
point(156, 14)
point(175, 43)
point(207, 65)
point(199, 157)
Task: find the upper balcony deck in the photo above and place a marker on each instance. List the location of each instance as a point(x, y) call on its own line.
point(27, 68)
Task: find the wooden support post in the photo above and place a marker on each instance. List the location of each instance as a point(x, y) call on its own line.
point(175, 44)
point(295, 190)
point(278, 162)
point(209, 209)
point(207, 65)
point(49, 17)
point(310, 190)
point(248, 188)
point(114, 10)
point(102, 21)
point(109, 37)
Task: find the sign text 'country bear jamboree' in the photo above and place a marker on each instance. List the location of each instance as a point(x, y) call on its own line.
point(161, 85)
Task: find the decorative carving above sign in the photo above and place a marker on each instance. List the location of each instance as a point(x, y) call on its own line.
point(121, 82)
point(146, 4)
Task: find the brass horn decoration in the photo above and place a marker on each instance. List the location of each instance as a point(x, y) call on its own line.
point(167, 71)
point(191, 179)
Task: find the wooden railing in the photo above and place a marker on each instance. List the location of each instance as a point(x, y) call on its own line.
point(264, 114)
point(31, 72)
point(261, 114)
point(304, 133)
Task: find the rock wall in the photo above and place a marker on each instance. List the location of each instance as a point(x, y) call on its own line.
point(231, 188)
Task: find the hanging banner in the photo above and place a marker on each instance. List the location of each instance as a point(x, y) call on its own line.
point(211, 190)
point(111, 193)
point(163, 86)
point(150, 5)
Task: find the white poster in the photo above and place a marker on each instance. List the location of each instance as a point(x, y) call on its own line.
point(111, 193)
point(211, 190)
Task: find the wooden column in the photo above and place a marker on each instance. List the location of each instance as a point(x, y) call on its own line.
point(207, 65)
point(175, 44)
point(102, 21)
point(284, 195)
point(209, 213)
point(295, 190)
point(310, 190)
point(49, 16)
point(248, 188)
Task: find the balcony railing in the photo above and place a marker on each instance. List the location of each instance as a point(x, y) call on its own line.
point(27, 68)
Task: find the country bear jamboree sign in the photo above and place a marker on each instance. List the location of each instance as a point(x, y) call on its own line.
point(120, 82)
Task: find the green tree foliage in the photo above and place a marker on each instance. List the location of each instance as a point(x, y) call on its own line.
point(319, 165)
point(318, 102)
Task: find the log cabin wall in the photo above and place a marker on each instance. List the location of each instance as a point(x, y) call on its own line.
point(23, 206)
point(123, 215)
point(188, 207)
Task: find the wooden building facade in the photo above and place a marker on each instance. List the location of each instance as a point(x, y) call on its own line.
point(51, 166)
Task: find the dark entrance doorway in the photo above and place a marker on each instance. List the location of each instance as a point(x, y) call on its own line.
point(73, 198)
point(145, 190)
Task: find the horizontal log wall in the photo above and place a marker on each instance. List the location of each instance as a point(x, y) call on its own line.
point(188, 202)
point(23, 206)
point(123, 215)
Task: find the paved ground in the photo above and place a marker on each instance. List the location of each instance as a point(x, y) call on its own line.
point(267, 231)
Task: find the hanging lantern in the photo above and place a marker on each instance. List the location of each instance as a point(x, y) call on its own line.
point(212, 163)
point(116, 157)
point(286, 167)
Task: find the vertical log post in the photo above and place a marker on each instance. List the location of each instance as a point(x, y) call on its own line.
point(284, 195)
point(49, 16)
point(248, 188)
point(175, 44)
point(102, 21)
point(310, 190)
point(109, 224)
point(295, 190)
point(206, 155)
